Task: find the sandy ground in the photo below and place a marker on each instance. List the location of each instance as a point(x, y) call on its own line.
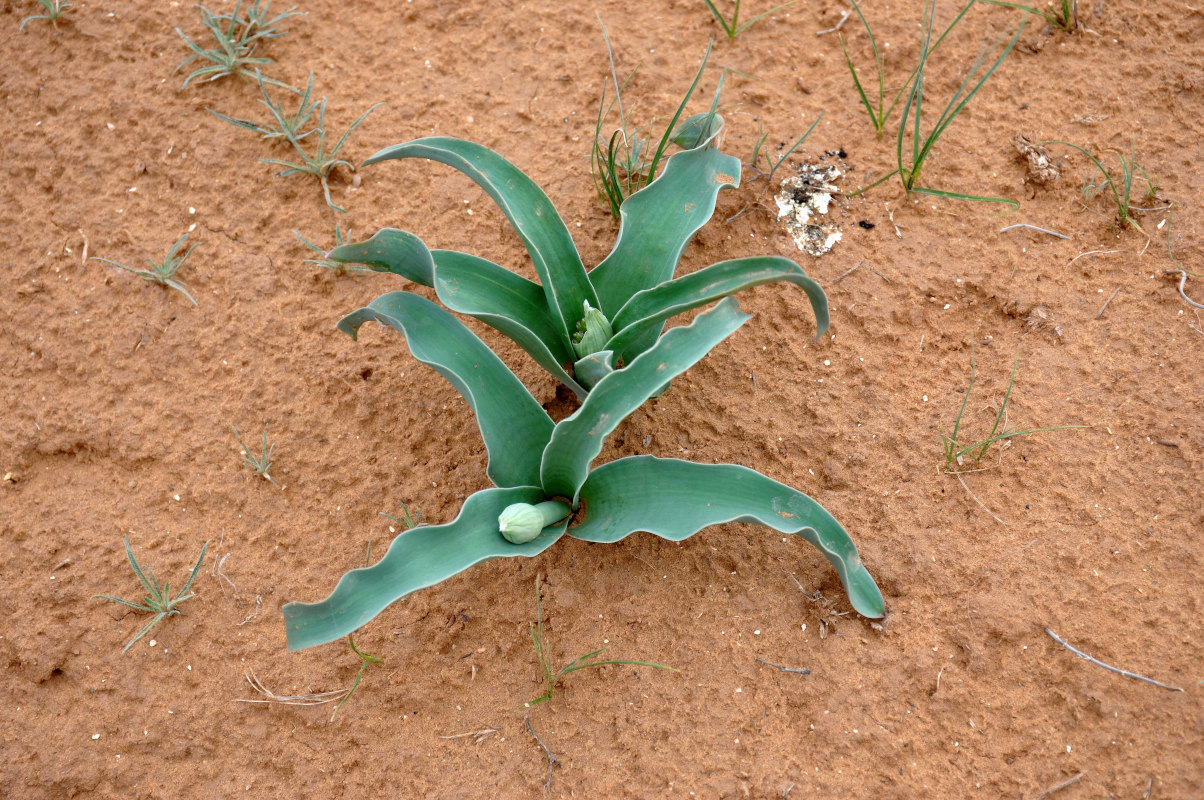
point(119, 397)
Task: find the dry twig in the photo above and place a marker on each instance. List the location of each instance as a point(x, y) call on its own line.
point(795, 670)
point(552, 760)
point(477, 735)
point(1106, 302)
point(835, 27)
point(980, 503)
point(1117, 670)
point(313, 699)
point(1182, 284)
point(1062, 785)
point(1035, 228)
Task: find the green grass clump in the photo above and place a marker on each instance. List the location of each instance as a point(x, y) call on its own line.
point(1119, 186)
point(54, 10)
point(262, 463)
point(162, 272)
point(158, 600)
point(956, 452)
point(314, 157)
point(407, 520)
point(909, 166)
point(237, 38)
point(626, 161)
point(544, 657)
point(880, 112)
point(337, 267)
point(1065, 18)
point(732, 27)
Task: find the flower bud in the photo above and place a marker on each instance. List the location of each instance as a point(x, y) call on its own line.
point(593, 332)
point(522, 522)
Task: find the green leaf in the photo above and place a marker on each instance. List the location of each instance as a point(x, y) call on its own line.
point(508, 303)
point(514, 426)
point(471, 285)
point(418, 558)
point(594, 367)
point(657, 223)
point(653, 306)
point(530, 212)
point(675, 499)
point(578, 439)
point(390, 250)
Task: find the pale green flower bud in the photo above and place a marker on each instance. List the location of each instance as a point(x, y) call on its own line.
point(593, 332)
point(522, 522)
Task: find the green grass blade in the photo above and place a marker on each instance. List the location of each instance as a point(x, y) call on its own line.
point(948, 29)
point(653, 306)
point(578, 439)
point(658, 222)
point(879, 119)
point(1003, 407)
point(150, 585)
point(612, 662)
point(762, 16)
point(952, 111)
point(668, 134)
point(986, 443)
point(957, 424)
point(188, 584)
point(731, 35)
point(675, 499)
point(790, 151)
point(154, 621)
point(974, 197)
point(1051, 19)
point(530, 212)
point(135, 606)
point(514, 426)
point(1098, 164)
point(416, 559)
point(390, 250)
point(359, 121)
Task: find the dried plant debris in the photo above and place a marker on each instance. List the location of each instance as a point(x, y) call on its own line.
point(803, 200)
point(1042, 171)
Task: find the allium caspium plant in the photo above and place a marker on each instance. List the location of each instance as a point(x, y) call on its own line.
point(546, 485)
point(580, 326)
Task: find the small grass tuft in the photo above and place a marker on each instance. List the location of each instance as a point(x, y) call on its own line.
point(625, 162)
point(732, 27)
point(316, 161)
point(956, 453)
point(407, 520)
point(760, 152)
point(54, 10)
point(1066, 18)
point(543, 655)
point(337, 267)
point(1119, 186)
point(261, 465)
point(158, 600)
point(237, 38)
point(162, 272)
